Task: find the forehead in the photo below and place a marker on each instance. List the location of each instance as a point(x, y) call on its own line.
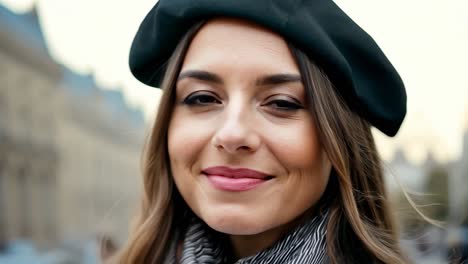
point(233, 44)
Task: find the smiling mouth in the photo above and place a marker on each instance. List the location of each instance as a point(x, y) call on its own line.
point(265, 178)
point(236, 183)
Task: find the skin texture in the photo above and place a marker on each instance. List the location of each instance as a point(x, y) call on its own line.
point(244, 122)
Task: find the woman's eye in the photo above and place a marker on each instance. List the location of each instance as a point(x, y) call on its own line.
point(201, 99)
point(284, 105)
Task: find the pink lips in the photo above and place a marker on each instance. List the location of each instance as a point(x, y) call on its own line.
point(235, 180)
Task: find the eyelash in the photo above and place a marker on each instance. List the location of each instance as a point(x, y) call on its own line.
point(290, 105)
point(193, 100)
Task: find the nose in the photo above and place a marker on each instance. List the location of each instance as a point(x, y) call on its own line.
point(236, 132)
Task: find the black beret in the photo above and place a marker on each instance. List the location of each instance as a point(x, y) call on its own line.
point(349, 56)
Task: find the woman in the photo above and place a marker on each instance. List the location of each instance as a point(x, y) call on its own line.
point(262, 149)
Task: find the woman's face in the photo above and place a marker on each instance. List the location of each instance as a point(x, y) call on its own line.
point(243, 149)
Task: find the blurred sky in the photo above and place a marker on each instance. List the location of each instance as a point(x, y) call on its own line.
point(426, 40)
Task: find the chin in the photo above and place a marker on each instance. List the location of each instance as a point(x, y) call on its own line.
point(235, 223)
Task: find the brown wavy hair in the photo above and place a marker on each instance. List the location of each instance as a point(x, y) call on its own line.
point(360, 228)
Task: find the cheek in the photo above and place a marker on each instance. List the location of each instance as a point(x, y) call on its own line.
point(296, 147)
point(182, 158)
point(186, 139)
point(299, 151)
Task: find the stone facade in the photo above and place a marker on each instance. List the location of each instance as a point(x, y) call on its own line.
point(69, 150)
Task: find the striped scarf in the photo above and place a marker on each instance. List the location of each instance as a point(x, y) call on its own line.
point(305, 244)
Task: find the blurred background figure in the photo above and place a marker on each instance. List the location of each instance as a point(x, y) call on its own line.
point(73, 121)
point(108, 248)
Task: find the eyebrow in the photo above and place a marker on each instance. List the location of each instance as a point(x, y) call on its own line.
point(278, 79)
point(200, 75)
point(273, 79)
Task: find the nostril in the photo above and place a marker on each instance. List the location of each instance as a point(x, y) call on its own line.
point(235, 141)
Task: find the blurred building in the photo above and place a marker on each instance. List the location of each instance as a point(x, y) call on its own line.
point(69, 150)
point(400, 169)
point(458, 187)
point(411, 176)
point(28, 127)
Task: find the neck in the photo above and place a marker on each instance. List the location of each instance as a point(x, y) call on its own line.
point(248, 245)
